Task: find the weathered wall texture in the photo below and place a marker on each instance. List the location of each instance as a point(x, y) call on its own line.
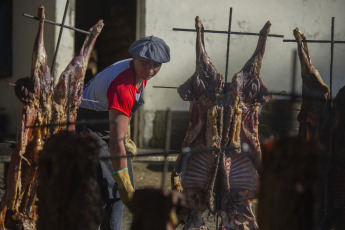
point(312, 17)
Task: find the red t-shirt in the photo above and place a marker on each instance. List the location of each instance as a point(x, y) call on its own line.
point(121, 92)
point(112, 88)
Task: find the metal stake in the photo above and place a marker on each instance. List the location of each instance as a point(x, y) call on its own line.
point(226, 32)
point(57, 24)
point(167, 146)
point(314, 41)
point(228, 47)
point(332, 54)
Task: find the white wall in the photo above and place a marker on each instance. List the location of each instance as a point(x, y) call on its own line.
point(66, 47)
point(313, 17)
point(24, 34)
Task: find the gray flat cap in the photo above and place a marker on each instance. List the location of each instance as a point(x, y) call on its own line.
point(151, 48)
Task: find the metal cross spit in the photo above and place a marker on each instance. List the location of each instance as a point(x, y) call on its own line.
point(62, 25)
point(332, 41)
point(228, 32)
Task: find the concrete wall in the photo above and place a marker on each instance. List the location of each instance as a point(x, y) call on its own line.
point(24, 34)
point(159, 17)
point(312, 17)
point(66, 48)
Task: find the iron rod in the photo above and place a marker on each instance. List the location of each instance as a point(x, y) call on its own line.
point(332, 54)
point(175, 152)
point(226, 32)
point(165, 87)
point(59, 38)
point(314, 41)
point(167, 146)
point(58, 24)
point(228, 46)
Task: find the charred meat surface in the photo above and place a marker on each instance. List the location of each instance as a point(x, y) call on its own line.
point(315, 93)
point(220, 173)
point(42, 105)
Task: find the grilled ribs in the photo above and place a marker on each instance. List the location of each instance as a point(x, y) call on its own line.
point(220, 173)
point(42, 105)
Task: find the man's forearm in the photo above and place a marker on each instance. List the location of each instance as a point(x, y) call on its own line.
point(117, 149)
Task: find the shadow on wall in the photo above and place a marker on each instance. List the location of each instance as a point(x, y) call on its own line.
point(179, 124)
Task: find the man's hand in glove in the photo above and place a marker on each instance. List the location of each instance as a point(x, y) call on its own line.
point(125, 187)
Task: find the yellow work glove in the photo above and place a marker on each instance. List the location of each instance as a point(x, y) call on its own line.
point(125, 187)
point(129, 144)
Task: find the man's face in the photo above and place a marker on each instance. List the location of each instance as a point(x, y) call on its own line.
point(145, 69)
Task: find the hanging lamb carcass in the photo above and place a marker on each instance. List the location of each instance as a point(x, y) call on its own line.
point(44, 106)
point(223, 178)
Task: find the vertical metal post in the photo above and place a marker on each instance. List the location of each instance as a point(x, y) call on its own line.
point(330, 155)
point(228, 46)
point(59, 39)
point(332, 54)
point(167, 145)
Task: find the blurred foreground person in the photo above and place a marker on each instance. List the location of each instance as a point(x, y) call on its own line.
point(155, 209)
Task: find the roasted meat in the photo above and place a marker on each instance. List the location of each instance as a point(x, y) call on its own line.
point(220, 173)
point(313, 117)
point(245, 95)
point(43, 106)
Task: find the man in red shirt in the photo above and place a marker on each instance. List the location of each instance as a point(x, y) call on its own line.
point(117, 91)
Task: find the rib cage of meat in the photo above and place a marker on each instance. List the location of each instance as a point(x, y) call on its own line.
point(220, 174)
point(42, 105)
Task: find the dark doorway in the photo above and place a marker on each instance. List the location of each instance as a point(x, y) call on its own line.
point(119, 17)
point(5, 38)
